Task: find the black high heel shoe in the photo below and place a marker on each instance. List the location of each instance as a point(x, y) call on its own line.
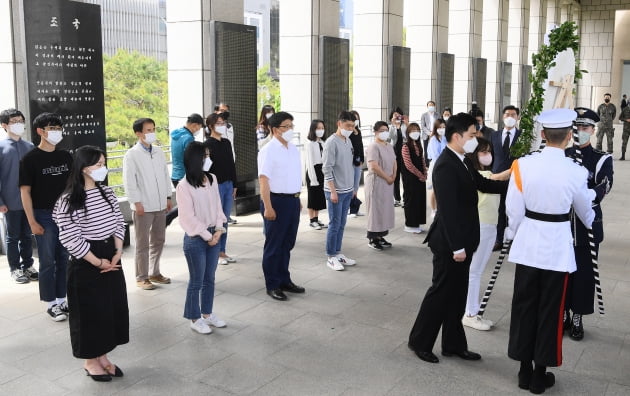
point(98, 377)
point(117, 371)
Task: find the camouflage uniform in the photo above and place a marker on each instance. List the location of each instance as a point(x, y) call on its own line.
point(606, 113)
point(625, 115)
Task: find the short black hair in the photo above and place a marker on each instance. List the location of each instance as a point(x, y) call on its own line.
point(278, 118)
point(511, 107)
point(379, 124)
point(7, 114)
point(431, 102)
point(477, 113)
point(556, 135)
point(459, 123)
point(607, 94)
point(396, 110)
point(312, 136)
point(195, 118)
point(47, 119)
point(345, 115)
point(139, 124)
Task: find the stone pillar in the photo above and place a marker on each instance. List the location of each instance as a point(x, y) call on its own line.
point(494, 49)
point(553, 13)
point(377, 25)
point(518, 38)
point(427, 34)
point(537, 27)
point(464, 41)
point(302, 22)
point(190, 65)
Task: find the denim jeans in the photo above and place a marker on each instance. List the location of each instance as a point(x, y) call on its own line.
point(337, 215)
point(19, 240)
point(202, 264)
point(53, 258)
point(226, 190)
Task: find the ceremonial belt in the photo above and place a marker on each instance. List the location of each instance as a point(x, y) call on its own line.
point(551, 218)
point(294, 195)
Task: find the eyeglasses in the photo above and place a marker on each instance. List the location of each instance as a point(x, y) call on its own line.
point(287, 126)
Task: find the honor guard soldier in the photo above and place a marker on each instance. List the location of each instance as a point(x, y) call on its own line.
point(581, 291)
point(542, 189)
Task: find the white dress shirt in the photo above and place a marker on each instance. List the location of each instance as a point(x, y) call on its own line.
point(282, 167)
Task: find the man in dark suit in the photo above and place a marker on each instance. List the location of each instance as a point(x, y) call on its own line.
point(502, 141)
point(453, 238)
point(481, 124)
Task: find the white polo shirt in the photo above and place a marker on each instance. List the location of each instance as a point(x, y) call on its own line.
point(282, 166)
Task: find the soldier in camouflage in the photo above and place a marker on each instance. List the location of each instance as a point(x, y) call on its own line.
point(606, 112)
point(625, 118)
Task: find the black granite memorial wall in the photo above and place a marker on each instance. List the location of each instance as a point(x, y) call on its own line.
point(399, 69)
point(334, 86)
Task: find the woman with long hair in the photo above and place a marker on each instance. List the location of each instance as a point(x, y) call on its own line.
point(414, 176)
point(357, 160)
point(92, 229)
point(202, 218)
point(314, 176)
point(263, 130)
point(437, 143)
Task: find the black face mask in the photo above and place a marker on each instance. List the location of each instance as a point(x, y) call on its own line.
point(225, 115)
point(606, 100)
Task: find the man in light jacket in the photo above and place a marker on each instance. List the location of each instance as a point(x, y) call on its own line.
point(148, 187)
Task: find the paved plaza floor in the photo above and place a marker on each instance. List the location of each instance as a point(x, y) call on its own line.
point(346, 336)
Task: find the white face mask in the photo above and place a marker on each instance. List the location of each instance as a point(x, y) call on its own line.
point(288, 135)
point(441, 131)
point(17, 128)
point(222, 129)
point(470, 145)
point(509, 122)
point(207, 164)
point(431, 109)
point(346, 133)
point(319, 132)
point(150, 137)
point(196, 133)
point(268, 115)
point(383, 136)
point(414, 135)
point(584, 137)
point(54, 137)
point(446, 118)
point(99, 174)
point(485, 159)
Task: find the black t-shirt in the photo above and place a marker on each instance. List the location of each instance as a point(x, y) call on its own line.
point(223, 166)
point(46, 173)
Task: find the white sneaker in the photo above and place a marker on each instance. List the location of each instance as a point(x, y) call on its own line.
point(352, 215)
point(315, 225)
point(345, 260)
point(475, 322)
point(360, 214)
point(414, 230)
point(200, 326)
point(223, 261)
point(335, 264)
point(214, 321)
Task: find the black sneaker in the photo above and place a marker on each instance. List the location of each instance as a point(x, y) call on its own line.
point(384, 243)
point(374, 244)
point(321, 224)
point(19, 276)
point(56, 313)
point(31, 273)
point(64, 307)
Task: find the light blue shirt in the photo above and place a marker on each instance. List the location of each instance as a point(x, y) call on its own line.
point(435, 147)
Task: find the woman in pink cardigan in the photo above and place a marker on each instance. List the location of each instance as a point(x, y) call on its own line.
point(201, 216)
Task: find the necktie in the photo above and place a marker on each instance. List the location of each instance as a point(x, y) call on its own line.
point(506, 144)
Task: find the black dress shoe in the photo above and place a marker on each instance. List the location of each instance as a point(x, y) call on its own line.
point(292, 288)
point(117, 371)
point(524, 378)
point(98, 377)
point(466, 355)
point(427, 356)
point(539, 383)
point(497, 247)
point(277, 294)
point(577, 332)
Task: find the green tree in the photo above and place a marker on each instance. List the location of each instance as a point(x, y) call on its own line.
point(135, 86)
point(268, 89)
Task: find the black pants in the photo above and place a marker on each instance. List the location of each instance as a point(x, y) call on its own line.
point(397, 180)
point(581, 288)
point(174, 212)
point(537, 314)
point(502, 220)
point(415, 196)
point(443, 306)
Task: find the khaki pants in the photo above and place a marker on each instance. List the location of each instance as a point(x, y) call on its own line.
point(150, 230)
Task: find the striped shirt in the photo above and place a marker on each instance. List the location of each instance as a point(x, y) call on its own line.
point(97, 222)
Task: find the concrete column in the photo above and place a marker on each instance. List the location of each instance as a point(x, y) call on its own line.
point(464, 41)
point(494, 49)
point(537, 27)
point(553, 13)
point(377, 25)
point(427, 34)
point(301, 24)
point(518, 38)
point(190, 64)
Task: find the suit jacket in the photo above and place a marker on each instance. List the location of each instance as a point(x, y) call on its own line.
point(501, 161)
point(456, 224)
point(426, 125)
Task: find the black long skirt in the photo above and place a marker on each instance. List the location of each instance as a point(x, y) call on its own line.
point(415, 197)
point(316, 199)
point(99, 315)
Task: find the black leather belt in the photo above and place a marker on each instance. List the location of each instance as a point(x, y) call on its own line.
point(295, 195)
point(551, 218)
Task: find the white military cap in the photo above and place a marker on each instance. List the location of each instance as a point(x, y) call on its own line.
point(557, 118)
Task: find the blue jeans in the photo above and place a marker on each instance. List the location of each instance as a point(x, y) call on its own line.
point(226, 189)
point(357, 178)
point(202, 264)
point(53, 258)
point(19, 240)
point(337, 215)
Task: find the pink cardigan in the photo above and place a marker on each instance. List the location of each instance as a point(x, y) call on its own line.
point(199, 208)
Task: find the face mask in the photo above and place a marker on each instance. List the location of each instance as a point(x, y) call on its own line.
point(414, 135)
point(17, 129)
point(207, 163)
point(54, 137)
point(431, 109)
point(222, 129)
point(346, 133)
point(196, 133)
point(288, 135)
point(584, 137)
point(225, 115)
point(319, 132)
point(485, 159)
point(356, 123)
point(268, 115)
point(441, 131)
point(606, 100)
point(446, 118)
point(470, 145)
point(383, 136)
point(149, 137)
point(510, 122)
point(99, 174)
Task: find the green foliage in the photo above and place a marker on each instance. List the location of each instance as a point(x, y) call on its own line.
point(268, 89)
point(136, 86)
point(560, 39)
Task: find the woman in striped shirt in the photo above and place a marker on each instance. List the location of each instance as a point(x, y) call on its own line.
point(92, 229)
